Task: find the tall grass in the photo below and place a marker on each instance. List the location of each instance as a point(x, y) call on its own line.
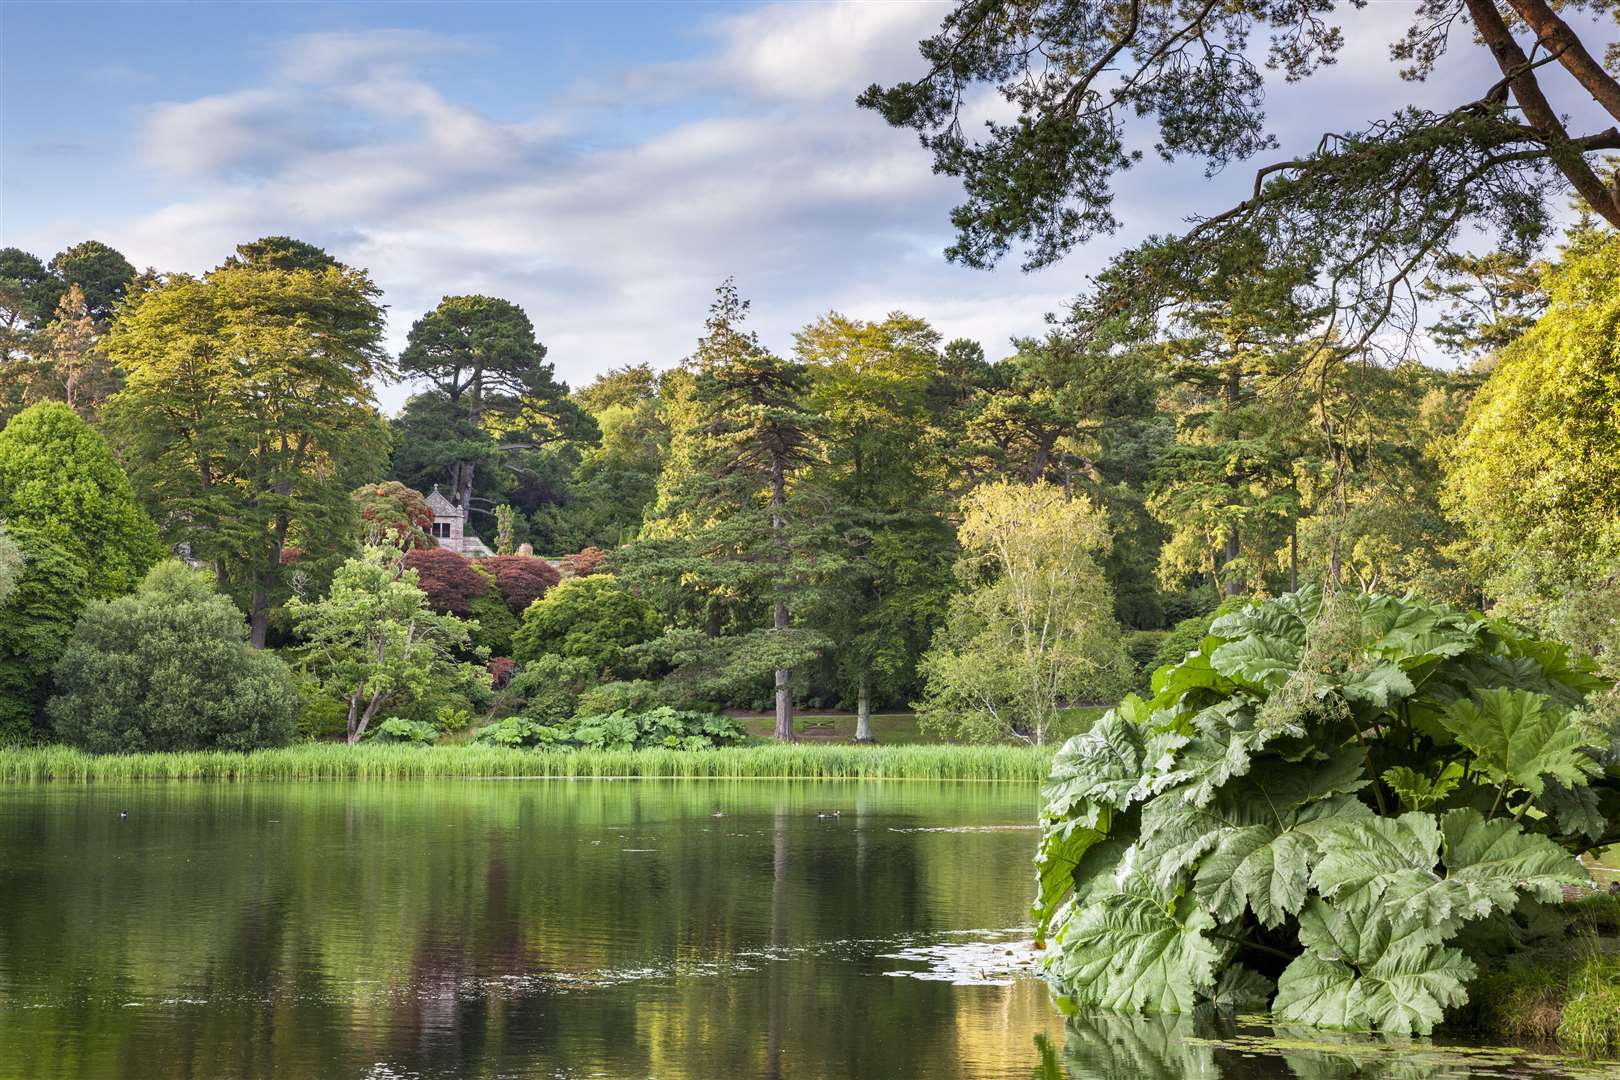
point(326, 761)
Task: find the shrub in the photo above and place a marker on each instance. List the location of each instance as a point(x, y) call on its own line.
point(638, 695)
point(319, 714)
point(59, 481)
point(585, 562)
point(1142, 649)
point(398, 730)
point(496, 623)
point(449, 579)
point(170, 668)
point(593, 619)
point(1182, 639)
point(548, 688)
point(662, 727)
point(1371, 789)
point(392, 513)
point(521, 579)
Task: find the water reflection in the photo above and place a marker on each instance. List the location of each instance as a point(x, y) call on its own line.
point(569, 929)
point(1213, 1044)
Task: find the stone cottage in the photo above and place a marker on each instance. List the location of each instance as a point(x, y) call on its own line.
point(450, 524)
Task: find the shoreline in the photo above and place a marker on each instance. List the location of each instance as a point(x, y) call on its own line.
point(329, 761)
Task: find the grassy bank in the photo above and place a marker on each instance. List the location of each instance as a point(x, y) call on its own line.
point(326, 761)
point(1566, 993)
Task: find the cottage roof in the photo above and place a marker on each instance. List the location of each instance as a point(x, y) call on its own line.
point(441, 506)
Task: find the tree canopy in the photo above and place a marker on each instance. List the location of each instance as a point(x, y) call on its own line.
point(248, 414)
point(58, 480)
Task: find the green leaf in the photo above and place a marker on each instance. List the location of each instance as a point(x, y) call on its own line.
point(1392, 865)
point(1128, 952)
point(1419, 792)
point(1518, 740)
point(1062, 847)
point(1240, 988)
point(1364, 860)
point(1577, 810)
point(1365, 970)
point(1253, 846)
point(1261, 662)
point(1381, 685)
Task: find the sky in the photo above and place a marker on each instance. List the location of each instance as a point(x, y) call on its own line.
point(604, 165)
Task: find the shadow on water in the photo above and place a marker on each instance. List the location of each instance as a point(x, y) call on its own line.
point(1220, 1045)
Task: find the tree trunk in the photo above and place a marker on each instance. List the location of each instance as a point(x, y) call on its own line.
point(259, 616)
point(1293, 557)
point(863, 714)
point(359, 721)
point(784, 694)
point(1229, 554)
point(1521, 78)
point(779, 621)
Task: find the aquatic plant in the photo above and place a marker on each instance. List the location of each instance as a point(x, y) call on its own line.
point(1336, 792)
point(664, 726)
point(377, 761)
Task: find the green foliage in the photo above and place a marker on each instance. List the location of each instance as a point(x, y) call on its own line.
point(397, 730)
point(495, 397)
point(1534, 473)
point(587, 618)
point(661, 727)
point(169, 668)
point(324, 761)
point(35, 622)
point(58, 479)
point(1182, 639)
point(375, 641)
point(1252, 811)
point(101, 273)
point(549, 686)
point(496, 623)
point(634, 696)
point(1036, 631)
point(248, 416)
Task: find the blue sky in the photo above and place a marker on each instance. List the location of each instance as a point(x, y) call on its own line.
point(605, 165)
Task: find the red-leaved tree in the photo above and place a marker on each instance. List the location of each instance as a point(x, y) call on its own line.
point(449, 579)
point(585, 562)
point(399, 514)
point(521, 579)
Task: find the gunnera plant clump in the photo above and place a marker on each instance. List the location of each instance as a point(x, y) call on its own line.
point(1336, 806)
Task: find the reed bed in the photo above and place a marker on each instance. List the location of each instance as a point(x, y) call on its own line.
point(326, 761)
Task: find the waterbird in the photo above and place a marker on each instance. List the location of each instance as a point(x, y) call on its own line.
point(123, 813)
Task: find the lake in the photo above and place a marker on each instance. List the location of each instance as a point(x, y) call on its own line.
point(553, 928)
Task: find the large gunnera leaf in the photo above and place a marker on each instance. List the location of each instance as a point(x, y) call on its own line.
point(1519, 741)
point(1253, 845)
point(1394, 866)
point(1130, 952)
point(1096, 774)
point(1363, 969)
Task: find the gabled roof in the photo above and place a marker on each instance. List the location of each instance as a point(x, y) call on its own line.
point(441, 506)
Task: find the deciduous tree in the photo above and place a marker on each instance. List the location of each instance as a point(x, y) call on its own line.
point(1034, 630)
point(59, 481)
point(374, 639)
point(248, 416)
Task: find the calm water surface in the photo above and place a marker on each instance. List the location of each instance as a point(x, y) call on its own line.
point(569, 929)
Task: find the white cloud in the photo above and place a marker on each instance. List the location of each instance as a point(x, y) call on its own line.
point(614, 247)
